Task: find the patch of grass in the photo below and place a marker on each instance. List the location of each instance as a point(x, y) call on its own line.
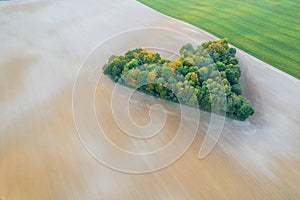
point(266, 29)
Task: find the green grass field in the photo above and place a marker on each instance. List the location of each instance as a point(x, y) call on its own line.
point(266, 29)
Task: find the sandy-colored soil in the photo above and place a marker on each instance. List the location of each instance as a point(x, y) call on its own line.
point(41, 156)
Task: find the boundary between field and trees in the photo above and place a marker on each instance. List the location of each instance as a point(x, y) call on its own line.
point(282, 53)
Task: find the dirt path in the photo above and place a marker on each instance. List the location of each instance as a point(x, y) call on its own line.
point(41, 156)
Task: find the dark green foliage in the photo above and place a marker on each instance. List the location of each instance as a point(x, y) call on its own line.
point(206, 77)
point(237, 89)
point(230, 75)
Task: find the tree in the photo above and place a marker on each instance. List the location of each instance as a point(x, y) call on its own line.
point(231, 52)
point(220, 66)
point(181, 70)
point(230, 74)
point(237, 71)
point(201, 61)
point(151, 76)
point(166, 72)
point(186, 94)
point(189, 61)
point(193, 77)
point(160, 87)
point(187, 50)
point(204, 97)
point(172, 80)
point(237, 89)
point(150, 80)
point(133, 54)
point(130, 77)
point(142, 79)
point(149, 57)
point(131, 64)
point(245, 110)
point(208, 77)
point(204, 72)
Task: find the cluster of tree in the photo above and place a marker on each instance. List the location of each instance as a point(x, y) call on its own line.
point(206, 77)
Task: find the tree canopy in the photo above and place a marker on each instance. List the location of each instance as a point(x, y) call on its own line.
point(206, 76)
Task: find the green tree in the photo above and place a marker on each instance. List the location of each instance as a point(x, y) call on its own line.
point(237, 71)
point(187, 50)
point(166, 72)
point(245, 110)
point(237, 89)
point(130, 77)
point(131, 64)
point(230, 74)
point(204, 72)
point(220, 66)
point(204, 97)
point(142, 79)
point(160, 87)
point(208, 77)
